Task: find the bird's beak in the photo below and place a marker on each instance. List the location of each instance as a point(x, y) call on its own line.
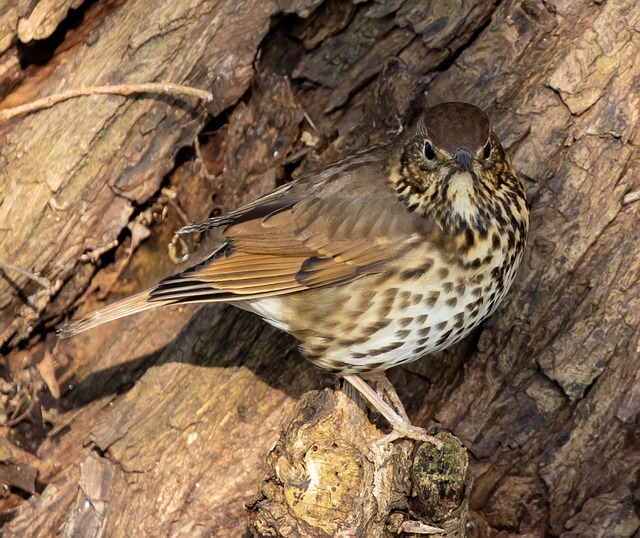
point(463, 158)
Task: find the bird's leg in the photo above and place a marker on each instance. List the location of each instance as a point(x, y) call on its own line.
point(384, 388)
point(400, 425)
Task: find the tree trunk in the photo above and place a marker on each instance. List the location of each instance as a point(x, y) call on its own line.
point(199, 421)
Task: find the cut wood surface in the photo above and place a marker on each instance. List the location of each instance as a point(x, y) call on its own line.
point(178, 422)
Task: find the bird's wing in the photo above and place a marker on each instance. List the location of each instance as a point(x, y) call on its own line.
point(326, 229)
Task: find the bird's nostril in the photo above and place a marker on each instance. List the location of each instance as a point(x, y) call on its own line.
point(463, 158)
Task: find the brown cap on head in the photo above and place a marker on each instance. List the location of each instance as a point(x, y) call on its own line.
point(455, 126)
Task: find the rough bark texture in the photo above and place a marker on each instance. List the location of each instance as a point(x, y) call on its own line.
point(170, 423)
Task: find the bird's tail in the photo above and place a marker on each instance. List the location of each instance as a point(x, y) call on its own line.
point(125, 307)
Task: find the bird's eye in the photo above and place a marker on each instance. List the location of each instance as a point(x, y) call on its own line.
point(429, 154)
point(487, 150)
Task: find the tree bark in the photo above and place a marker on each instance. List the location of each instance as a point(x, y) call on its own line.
point(199, 421)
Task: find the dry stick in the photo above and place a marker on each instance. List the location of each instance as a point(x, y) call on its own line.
point(14, 420)
point(118, 89)
point(631, 197)
point(32, 276)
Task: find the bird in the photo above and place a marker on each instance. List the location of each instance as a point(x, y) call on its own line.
point(392, 252)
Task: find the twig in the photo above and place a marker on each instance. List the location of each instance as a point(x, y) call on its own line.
point(297, 155)
point(631, 197)
point(32, 276)
point(311, 122)
point(416, 527)
point(117, 89)
point(171, 198)
point(14, 420)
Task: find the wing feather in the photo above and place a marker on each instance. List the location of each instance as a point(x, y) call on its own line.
point(326, 229)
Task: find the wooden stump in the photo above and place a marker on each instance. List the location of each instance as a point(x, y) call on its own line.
point(329, 475)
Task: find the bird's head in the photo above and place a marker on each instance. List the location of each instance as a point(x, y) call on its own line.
point(451, 167)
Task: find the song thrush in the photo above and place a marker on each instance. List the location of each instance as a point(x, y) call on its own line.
point(395, 251)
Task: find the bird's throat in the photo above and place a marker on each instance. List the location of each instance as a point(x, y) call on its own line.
point(459, 195)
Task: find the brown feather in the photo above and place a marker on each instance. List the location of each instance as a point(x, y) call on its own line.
point(126, 307)
point(326, 229)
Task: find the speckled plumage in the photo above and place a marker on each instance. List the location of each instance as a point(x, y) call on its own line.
point(395, 251)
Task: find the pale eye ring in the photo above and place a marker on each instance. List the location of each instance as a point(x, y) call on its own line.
point(429, 154)
point(487, 150)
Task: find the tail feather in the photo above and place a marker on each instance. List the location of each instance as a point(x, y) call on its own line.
point(131, 305)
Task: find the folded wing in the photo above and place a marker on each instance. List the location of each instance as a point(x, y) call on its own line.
point(325, 229)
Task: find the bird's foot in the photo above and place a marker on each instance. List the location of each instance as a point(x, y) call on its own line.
point(406, 430)
point(401, 427)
